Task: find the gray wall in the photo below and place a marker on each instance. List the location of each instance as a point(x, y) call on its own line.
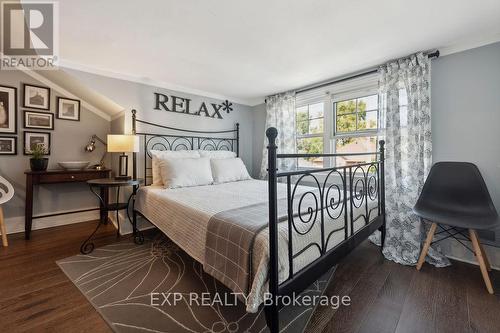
point(466, 120)
point(67, 143)
point(466, 111)
point(132, 95)
point(69, 138)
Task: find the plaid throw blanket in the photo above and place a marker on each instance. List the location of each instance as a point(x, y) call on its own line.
point(230, 238)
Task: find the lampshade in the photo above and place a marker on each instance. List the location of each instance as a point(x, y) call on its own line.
point(123, 143)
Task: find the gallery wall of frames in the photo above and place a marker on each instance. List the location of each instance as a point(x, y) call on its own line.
point(31, 104)
point(35, 110)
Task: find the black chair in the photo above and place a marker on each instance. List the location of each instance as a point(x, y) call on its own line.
point(455, 195)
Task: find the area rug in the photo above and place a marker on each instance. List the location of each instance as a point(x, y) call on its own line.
point(136, 288)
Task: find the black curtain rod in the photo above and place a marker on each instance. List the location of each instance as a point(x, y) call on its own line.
point(430, 55)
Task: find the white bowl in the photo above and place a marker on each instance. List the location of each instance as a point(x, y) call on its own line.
point(74, 165)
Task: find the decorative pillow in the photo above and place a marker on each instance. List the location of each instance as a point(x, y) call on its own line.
point(184, 172)
point(228, 170)
point(217, 153)
point(157, 155)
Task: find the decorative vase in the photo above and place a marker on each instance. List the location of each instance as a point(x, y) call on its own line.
point(39, 164)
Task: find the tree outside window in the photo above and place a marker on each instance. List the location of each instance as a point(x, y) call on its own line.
point(356, 125)
point(309, 129)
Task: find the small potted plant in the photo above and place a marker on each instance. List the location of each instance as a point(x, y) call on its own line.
point(38, 162)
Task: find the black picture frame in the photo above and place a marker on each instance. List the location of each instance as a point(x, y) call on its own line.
point(11, 100)
point(14, 145)
point(44, 114)
point(26, 133)
point(28, 105)
point(60, 112)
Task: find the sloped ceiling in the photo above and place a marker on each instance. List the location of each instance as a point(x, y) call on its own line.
point(72, 86)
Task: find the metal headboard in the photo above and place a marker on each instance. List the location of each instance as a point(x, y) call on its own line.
point(228, 140)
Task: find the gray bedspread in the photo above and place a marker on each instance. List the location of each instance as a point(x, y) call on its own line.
point(230, 238)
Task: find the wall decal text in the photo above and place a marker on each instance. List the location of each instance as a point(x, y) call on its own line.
point(178, 104)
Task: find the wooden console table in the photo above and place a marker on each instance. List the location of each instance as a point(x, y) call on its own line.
point(55, 177)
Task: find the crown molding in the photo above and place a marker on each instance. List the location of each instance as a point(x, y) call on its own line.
point(468, 44)
point(155, 83)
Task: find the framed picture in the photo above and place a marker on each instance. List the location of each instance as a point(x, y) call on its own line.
point(68, 109)
point(38, 120)
point(32, 139)
point(8, 110)
point(36, 97)
point(8, 145)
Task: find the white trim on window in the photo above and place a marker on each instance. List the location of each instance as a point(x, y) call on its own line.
point(355, 88)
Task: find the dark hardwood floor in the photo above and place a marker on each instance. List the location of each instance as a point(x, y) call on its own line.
point(35, 295)
point(386, 297)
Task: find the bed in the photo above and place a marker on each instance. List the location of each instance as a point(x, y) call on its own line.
point(313, 218)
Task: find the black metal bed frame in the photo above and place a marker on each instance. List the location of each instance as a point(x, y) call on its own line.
point(358, 184)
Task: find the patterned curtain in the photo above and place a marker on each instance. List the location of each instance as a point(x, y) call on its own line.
point(407, 132)
point(281, 114)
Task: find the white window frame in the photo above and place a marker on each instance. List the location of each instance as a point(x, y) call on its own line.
point(334, 135)
point(325, 134)
point(329, 95)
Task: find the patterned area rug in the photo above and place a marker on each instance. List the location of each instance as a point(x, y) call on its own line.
point(156, 287)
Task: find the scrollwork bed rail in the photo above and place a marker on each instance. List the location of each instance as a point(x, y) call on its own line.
point(354, 187)
point(180, 139)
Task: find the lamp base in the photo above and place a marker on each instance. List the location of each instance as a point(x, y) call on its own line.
point(123, 168)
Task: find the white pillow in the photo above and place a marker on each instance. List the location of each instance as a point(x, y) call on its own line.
point(156, 155)
point(184, 172)
point(217, 153)
point(228, 170)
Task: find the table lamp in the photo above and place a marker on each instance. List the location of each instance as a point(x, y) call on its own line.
point(123, 143)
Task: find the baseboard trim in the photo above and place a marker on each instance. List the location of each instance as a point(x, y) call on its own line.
point(16, 224)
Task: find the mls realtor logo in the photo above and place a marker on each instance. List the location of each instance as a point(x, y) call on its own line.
point(29, 35)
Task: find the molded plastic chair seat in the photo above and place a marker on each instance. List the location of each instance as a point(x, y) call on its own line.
point(456, 219)
point(456, 195)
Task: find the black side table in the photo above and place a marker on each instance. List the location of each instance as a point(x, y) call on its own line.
point(97, 186)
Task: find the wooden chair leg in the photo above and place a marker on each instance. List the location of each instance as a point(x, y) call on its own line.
point(427, 244)
point(479, 255)
point(486, 260)
point(3, 230)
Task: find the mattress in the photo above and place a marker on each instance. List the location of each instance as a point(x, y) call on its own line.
point(183, 215)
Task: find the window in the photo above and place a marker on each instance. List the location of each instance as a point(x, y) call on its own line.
point(310, 129)
point(355, 128)
point(339, 118)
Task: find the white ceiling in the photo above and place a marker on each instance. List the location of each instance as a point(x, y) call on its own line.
point(247, 49)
